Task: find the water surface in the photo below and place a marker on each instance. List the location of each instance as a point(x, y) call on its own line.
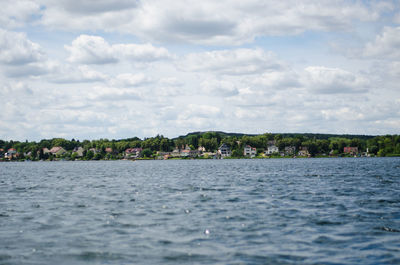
point(271, 211)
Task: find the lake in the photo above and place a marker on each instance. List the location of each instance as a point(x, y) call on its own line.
point(267, 211)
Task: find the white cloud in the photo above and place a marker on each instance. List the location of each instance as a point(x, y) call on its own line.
point(231, 62)
point(118, 75)
point(17, 49)
point(208, 22)
point(92, 6)
point(90, 50)
point(16, 13)
point(334, 80)
point(219, 88)
point(396, 18)
point(34, 69)
point(278, 80)
point(386, 45)
point(95, 50)
point(80, 74)
point(141, 52)
point(18, 89)
point(131, 80)
point(114, 94)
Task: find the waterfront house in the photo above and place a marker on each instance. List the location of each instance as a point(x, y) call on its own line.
point(271, 149)
point(350, 150)
point(176, 152)
point(163, 155)
point(132, 153)
point(57, 151)
point(79, 151)
point(303, 151)
point(188, 152)
point(290, 150)
point(201, 149)
point(94, 150)
point(184, 153)
point(11, 153)
point(249, 151)
point(224, 151)
point(46, 150)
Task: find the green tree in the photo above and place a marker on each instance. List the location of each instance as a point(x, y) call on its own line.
point(97, 156)
point(147, 153)
point(89, 155)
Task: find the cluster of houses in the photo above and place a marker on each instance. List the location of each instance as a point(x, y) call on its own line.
point(225, 151)
point(184, 152)
point(10, 154)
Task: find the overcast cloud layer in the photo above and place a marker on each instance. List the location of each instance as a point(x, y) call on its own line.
point(115, 69)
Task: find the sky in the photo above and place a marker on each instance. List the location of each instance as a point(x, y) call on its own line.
point(122, 68)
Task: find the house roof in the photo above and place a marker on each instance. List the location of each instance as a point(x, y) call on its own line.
point(223, 146)
point(55, 149)
point(133, 150)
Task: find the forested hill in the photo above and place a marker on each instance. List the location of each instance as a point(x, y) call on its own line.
point(320, 136)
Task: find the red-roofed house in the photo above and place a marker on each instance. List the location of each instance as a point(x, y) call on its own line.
point(133, 153)
point(57, 150)
point(11, 153)
point(249, 151)
point(350, 150)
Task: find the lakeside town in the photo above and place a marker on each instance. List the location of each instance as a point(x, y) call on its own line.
point(204, 145)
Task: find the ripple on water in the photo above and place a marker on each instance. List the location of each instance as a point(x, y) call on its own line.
point(282, 211)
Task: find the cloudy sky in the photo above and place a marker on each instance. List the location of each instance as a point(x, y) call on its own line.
point(121, 68)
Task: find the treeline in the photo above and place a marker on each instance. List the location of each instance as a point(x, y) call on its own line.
point(317, 144)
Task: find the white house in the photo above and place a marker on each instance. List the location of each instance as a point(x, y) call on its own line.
point(224, 151)
point(271, 149)
point(249, 151)
point(290, 150)
point(79, 151)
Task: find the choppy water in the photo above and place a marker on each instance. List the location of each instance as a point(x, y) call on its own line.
point(277, 211)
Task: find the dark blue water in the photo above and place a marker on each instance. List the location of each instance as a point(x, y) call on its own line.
point(276, 211)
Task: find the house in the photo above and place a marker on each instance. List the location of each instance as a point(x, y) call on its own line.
point(271, 149)
point(109, 150)
point(79, 151)
point(46, 150)
point(201, 149)
point(184, 153)
point(11, 153)
point(133, 153)
point(163, 155)
point(176, 152)
point(289, 150)
point(57, 151)
point(303, 151)
point(350, 150)
point(249, 151)
point(188, 152)
point(224, 151)
point(94, 150)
